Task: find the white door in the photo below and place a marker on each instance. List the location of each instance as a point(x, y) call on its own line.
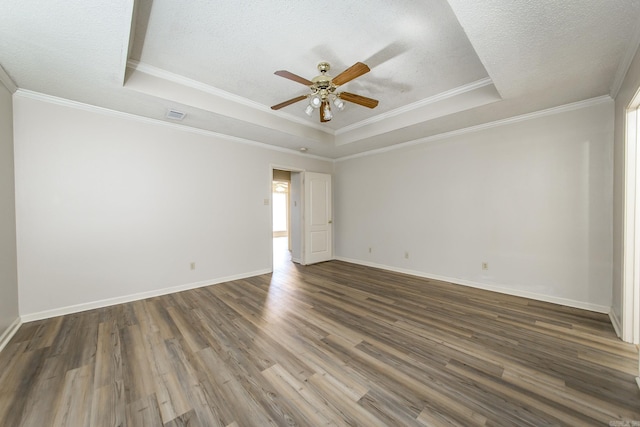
point(317, 212)
point(296, 209)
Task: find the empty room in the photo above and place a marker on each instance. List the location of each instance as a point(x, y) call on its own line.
point(372, 213)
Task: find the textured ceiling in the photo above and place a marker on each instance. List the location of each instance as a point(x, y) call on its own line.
point(570, 46)
point(237, 46)
point(436, 65)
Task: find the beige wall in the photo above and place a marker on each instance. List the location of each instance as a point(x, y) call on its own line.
point(627, 91)
point(8, 263)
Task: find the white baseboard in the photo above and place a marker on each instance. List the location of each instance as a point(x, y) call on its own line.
point(485, 286)
point(9, 333)
point(615, 321)
point(134, 297)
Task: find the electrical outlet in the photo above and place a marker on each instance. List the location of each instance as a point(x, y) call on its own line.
point(485, 265)
point(406, 255)
point(193, 265)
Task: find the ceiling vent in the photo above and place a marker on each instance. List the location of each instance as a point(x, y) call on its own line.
point(175, 115)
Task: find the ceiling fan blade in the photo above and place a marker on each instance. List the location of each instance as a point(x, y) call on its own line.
point(321, 109)
point(358, 99)
point(289, 102)
point(356, 70)
point(294, 77)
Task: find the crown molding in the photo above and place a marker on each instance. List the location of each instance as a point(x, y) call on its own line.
point(211, 90)
point(497, 123)
point(194, 84)
point(7, 81)
point(625, 63)
point(23, 93)
point(418, 104)
point(130, 31)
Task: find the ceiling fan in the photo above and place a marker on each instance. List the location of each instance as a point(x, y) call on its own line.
point(323, 90)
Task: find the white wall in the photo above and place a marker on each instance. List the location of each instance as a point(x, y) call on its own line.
point(111, 206)
point(532, 198)
point(627, 90)
point(8, 269)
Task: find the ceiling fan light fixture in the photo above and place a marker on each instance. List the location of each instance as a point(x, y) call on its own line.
point(315, 101)
point(326, 113)
point(339, 103)
point(309, 110)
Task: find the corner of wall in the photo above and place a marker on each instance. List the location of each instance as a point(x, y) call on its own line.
point(9, 315)
point(615, 321)
point(7, 81)
point(9, 333)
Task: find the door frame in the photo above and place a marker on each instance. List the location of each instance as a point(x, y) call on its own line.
point(631, 225)
point(270, 183)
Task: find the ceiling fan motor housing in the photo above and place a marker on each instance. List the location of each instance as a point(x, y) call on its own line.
point(323, 67)
point(322, 84)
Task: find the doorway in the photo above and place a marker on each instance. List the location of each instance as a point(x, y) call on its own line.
point(298, 237)
point(281, 217)
point(286, 197)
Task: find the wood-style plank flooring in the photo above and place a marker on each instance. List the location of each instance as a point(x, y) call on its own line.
point(329, 344)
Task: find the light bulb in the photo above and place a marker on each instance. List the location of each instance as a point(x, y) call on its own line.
point(339, 103)
point(315, 101)
point(309, 110)
point(327, 112)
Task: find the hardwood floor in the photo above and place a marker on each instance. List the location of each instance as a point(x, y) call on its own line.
point(329, 344)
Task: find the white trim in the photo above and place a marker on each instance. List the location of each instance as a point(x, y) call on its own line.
point(419, 104)
point(487, 287)
point(497, 123)
point(284, 168)
point(636, 235)
point(135, 297)
point(130, 31)
point(9, 333)
point(615, 322)
point(628, 230)
point(502, 122)
point(211, 90)
point(7, 81)
point(625, 63)
point(23, 93)
point(185, 81)
point(630, 321)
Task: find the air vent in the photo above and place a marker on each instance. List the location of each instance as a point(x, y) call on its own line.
point(175, 115)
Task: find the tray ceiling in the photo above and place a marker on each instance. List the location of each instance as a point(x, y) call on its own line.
point(436, 65)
